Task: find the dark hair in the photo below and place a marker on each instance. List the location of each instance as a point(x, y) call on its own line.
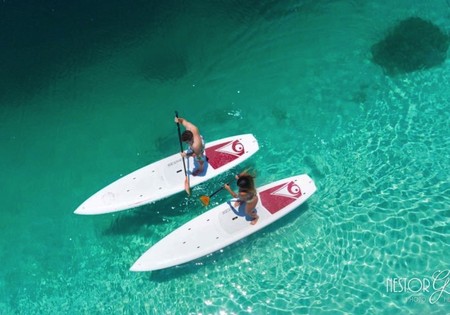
point(243, 182)
point(187, 136)
point(246, 183)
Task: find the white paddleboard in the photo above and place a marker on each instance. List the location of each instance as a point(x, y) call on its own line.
point(224, 225)
point(166, 177)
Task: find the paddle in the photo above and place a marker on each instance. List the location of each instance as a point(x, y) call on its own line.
point(205, 199)
point(186, 180)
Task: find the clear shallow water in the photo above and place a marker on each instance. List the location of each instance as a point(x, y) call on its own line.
point(298, 75)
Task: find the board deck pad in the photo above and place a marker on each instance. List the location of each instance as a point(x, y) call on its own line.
point(166, 177)
point(279, 197)
point(225, 224)
point(224, 153)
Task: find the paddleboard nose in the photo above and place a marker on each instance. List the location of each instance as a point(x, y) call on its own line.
point(140, 267)
point(136, 267)
point(80, 210)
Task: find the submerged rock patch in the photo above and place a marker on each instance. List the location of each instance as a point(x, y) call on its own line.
point(414, 44)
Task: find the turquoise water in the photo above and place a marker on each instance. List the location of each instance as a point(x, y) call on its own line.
point(297, 75)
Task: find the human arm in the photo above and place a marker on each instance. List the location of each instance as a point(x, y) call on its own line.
point(232, 193)
point(197, 142)
point(187, 124)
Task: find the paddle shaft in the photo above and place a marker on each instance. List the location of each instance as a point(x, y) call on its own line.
point(181, 144)
point(218, 190)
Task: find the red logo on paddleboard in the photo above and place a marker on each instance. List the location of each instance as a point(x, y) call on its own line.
point(222, 154)
point(280, 196)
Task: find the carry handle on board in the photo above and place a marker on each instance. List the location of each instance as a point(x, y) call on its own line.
point(186, 180)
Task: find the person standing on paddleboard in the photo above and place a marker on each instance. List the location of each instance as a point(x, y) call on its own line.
point(192, 137)
point(247, 195)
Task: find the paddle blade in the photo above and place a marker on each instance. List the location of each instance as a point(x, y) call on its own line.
point(186, 186)
point(205, 200)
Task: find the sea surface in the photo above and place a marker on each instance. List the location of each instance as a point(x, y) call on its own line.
point(88, 91)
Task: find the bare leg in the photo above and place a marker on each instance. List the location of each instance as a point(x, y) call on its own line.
point(254, 217)
point(199, 169)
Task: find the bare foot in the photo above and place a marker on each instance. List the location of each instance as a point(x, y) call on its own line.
point(255, 220)
point(197, 171)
